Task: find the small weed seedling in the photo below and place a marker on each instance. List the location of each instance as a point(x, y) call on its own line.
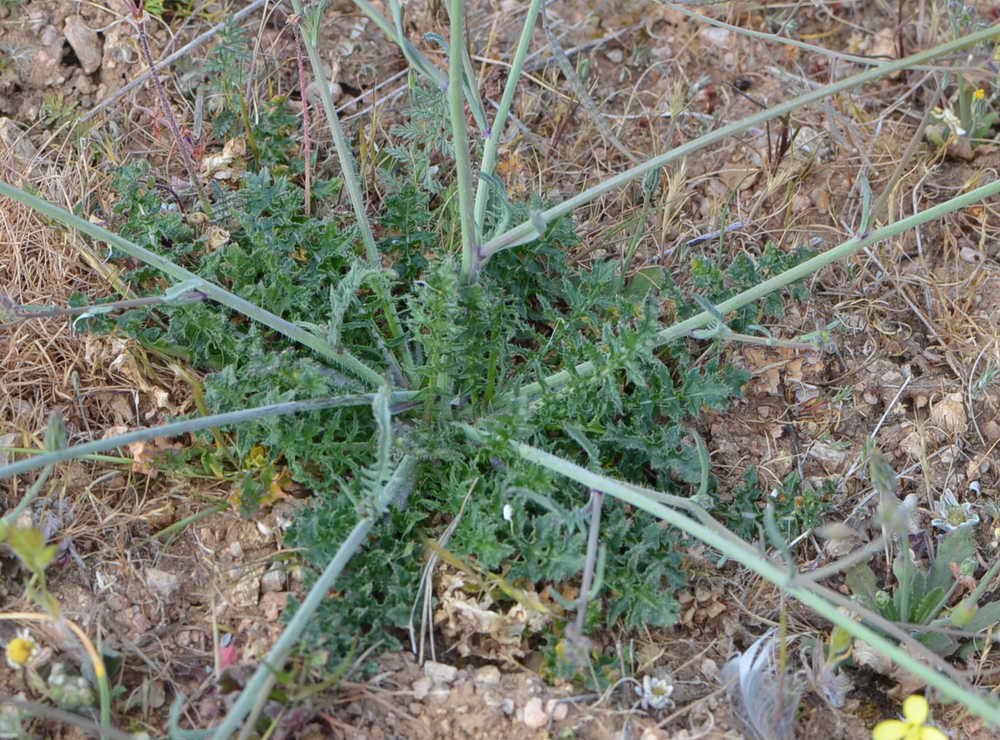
point(921, 597)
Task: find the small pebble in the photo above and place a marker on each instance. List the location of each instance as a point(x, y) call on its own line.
point(440, 672)
point(85, 42)
point(161, 583)
point(535, 715)
point(421, 688)
point(717, 37)
point(556, 709)
point(273, 580)
point(488, 675)
point(970, 255)
point(710, 669)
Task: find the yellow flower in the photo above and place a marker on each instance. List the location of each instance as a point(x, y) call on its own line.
point(979, 94)
point(257, 457)
point(20, 649)
point(912, 726)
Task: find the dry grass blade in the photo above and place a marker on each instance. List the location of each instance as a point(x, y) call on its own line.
point(764, 697)
point(581, 91)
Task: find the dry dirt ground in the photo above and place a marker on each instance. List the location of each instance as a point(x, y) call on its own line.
point(918, 333)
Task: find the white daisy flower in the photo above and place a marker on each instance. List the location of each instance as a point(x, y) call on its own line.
point(21, 649)
point(655, 692)
point(949, 514)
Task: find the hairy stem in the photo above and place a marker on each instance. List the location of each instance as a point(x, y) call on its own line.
point(339, 357)
point(349, 170)
point(460, 140)
point(528, 230)
point(492, 143)
point(842, 251)
point(187, 154)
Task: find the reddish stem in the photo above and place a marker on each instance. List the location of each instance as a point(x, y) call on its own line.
point(306, 148)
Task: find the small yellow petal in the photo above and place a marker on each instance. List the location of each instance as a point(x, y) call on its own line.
point(19, 651)
point(915, 709)
point(932, 733)
point(890, 729)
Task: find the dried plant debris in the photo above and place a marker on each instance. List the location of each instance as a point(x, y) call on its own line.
point(764, 696)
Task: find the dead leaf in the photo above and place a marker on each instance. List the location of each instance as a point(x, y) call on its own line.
point(146, 453)
point(215, 238)
point(949, 413)
point(272, 604)
point(884, 44)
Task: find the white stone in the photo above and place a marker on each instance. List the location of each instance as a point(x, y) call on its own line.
point(85, 43)
point(535, 715)
point(717, 37)
point(421, 688)
point(245, 588)
point(556, 709)
point(440, 672)
point(273, 581)
point(9, 440)
point(161, 583)
point(488, 675)
point(970, 255)
point(828, 453)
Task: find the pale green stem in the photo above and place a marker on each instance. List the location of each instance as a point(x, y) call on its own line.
point(104, 692)
point(469, 87)
point(492, 143)
point(348, 166)
point(399, 483)
point(529, 230)
point(806, 580)
point(460, 140)
point(747, 556)
point(194, 425)
point(417, 60)
point(768, 341)
point(784, 40)
point(263, 694)
point(349, 169)
point(69, 718)
point(340, 357)
point(26, 313)
point(798, 272)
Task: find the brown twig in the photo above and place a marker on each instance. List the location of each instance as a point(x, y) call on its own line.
point(137, 7)
point(12, 313)
point(166, 61)
point(306, 149)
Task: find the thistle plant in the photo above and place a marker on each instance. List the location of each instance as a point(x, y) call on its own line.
point(489, 364)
